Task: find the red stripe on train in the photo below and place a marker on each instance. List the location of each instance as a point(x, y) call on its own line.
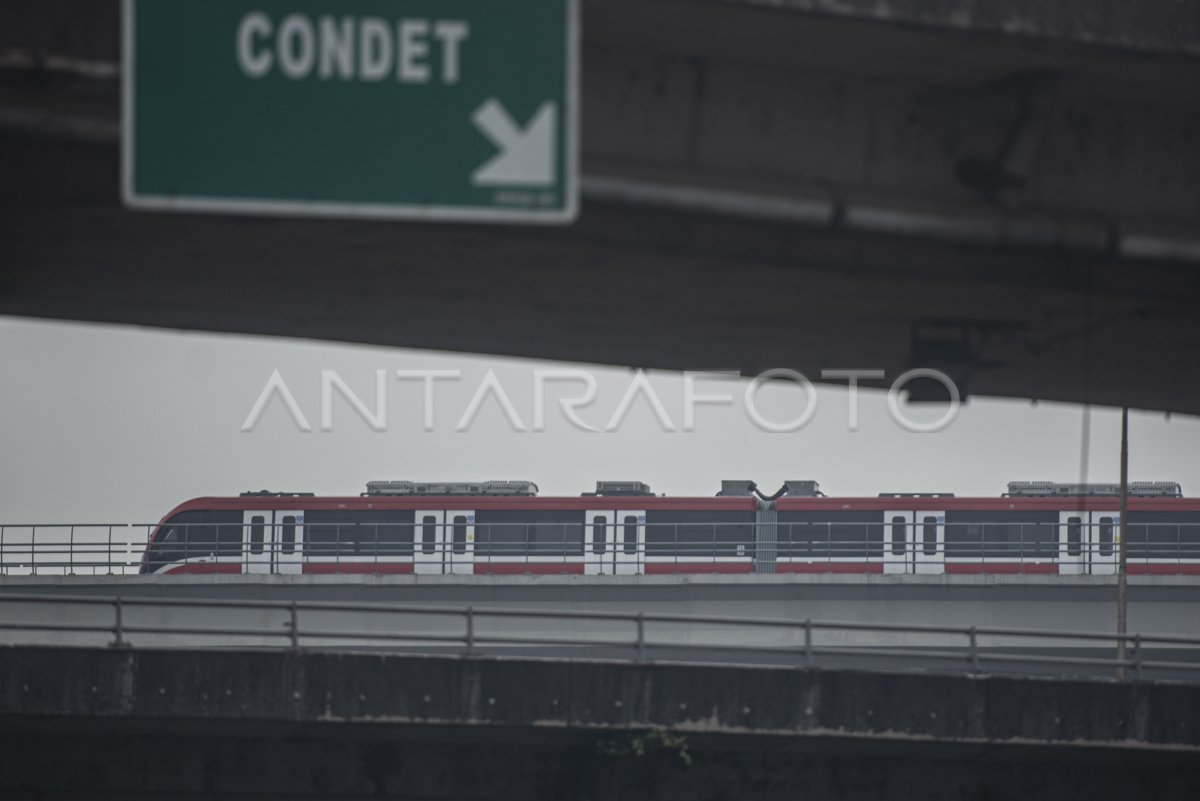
point(698, 567)
point(1009, 568)
point(531, 568)
point(375, 568)
point(204, 568)
point(1185, 569)
point(829, 567)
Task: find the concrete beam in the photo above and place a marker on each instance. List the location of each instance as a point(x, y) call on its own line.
point(805, 184)
point(253, 723)
point(1159, 27)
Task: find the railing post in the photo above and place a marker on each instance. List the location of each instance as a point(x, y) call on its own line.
point(808, 644)
point(1021, 545)
point(71, 552)
point(119, 623)
point(1137, 655)
point(974, 658)
point(641, 637)
point(294, 626)
point(470, 631)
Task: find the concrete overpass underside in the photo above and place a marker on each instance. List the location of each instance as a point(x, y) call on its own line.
point(114, 723)
point(1011, 196)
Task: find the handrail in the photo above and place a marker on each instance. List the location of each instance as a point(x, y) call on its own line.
point(651, 636)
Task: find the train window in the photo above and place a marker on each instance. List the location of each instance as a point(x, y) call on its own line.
point(229, 532)
point(1074, 536)
point(630, 536)
point(323, 536)
point(1163, 535)
point(555, 538)
point(362, 537)
point(599, 540)
point(198, 539)
point(257, 523)
point(806, 539)
point(395, 538)
point(500, 537)
point(459, 538)
point(539, 532)
point(850, 540)
point(816, 535)
point(362, 532)
point(1001, 535)
point(699, 534)
point(899, 535)
point(171, 542)
point(1189, 540)
point(929, 535)
point(428, 534)
point(1106, 536)
point(288, 534)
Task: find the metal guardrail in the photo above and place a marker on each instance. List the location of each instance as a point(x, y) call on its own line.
point(117, 549)
point(73, 548)
point(637, 637)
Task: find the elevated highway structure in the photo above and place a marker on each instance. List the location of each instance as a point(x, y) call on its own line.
point(1010, 196)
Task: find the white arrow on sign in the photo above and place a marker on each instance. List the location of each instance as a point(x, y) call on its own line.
point(527, 157)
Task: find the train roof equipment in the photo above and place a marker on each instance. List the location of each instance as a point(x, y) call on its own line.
point(1054, 489)
point(803, 489)
point(618, 488)
point(444, 488)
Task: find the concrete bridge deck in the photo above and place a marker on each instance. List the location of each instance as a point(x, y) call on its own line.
point(106, 723)
point(1158, 604)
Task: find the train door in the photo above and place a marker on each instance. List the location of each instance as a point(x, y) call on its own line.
point(429, 541)
point(460, 542)
point(273, 541)
point(597, 550)
point(1072, 543)
point(444, 542)
point(914, 542)
point(629, 549)
point(615, 542)
point(1104, 537)
point(897, 551)
point(929, 542)
point(1088, 543)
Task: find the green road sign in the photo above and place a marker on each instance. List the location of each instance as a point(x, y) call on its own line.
point(428, 109)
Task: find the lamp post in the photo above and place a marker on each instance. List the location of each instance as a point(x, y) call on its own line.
point(1122, 599)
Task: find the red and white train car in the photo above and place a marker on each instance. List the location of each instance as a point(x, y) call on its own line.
point(503, 527)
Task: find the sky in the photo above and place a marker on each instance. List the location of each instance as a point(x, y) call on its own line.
point(112, 424)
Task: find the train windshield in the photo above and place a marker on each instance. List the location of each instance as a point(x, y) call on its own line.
point(193, 535)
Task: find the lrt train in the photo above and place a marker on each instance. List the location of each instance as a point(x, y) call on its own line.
point(503, 527)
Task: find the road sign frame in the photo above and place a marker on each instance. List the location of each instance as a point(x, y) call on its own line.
point(564, 214)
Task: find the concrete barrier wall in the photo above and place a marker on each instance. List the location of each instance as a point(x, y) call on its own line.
point(1159, 605)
